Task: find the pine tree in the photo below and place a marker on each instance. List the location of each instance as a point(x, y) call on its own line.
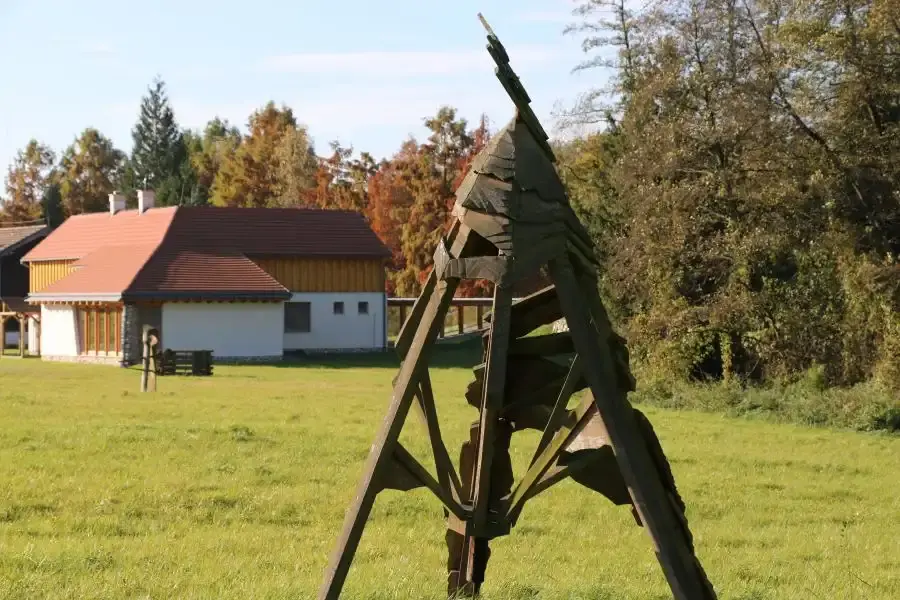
point(52, 206)
point(159, 154)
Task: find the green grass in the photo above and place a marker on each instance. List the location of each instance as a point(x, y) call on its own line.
point(235, 487)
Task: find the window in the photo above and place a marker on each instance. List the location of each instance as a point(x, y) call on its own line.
point(338, 308)
point(363, 308)
point(296, 317)
point(101, 329)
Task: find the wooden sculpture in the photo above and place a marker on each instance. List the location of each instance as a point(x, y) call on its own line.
point(512, 219)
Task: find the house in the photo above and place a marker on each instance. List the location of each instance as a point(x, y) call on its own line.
point(246, 283)
point(15, 242)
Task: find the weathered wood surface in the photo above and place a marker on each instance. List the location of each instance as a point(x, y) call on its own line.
point(648, 495)
point(150, 343)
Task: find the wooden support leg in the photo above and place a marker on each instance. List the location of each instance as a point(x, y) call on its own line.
point(2, 335)
point(476, 552)
point(21, 337)
point(460, 319)
point(640, 475)
point(405, 388)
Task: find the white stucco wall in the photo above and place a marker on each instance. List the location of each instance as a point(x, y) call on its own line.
point(59, 335)
point(349, 331)
point(240, 329)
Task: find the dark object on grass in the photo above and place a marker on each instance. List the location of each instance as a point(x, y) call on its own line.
point(512, 220)
point(185, 362)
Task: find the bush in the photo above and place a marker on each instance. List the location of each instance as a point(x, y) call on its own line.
point(869, 406)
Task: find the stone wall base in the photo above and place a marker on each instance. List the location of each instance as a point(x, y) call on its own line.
point(238, 360)
point(114, 361)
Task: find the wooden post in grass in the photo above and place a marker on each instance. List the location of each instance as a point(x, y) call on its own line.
point(21, 336)
point(150, 339)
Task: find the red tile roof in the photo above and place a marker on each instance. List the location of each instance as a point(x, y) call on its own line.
point(197, 252)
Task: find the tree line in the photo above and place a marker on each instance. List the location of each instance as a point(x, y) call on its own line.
point(742, 183)
point(406, 198)
point(745, 190)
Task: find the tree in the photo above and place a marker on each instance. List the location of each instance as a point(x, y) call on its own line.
point(448, 143)
point(91, 169)
point(27, 181)
point(271, 166)
point(746, 179)
point(207, 152)
point(341, 181)
point(52, 206)
point(159, 160)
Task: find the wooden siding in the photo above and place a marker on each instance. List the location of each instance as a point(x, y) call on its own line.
point(100, 330)
point(46, 272)
point(326, 275)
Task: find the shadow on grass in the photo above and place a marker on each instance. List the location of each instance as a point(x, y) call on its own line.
point(448, 355)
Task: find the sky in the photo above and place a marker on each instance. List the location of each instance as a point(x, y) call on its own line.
point(361, 72)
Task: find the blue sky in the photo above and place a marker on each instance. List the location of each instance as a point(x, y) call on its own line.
point(362, 72)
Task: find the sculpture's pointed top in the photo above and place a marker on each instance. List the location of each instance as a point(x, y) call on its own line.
point(513, 86)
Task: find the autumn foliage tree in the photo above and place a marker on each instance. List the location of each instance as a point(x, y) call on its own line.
point(272, 166)
point(90, 169)
point(26, 182)
point(410, 197)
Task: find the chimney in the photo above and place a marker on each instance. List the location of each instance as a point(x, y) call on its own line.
point(146, 199)
point(116, 203)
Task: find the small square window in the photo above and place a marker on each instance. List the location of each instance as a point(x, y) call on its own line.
point(338, 308)
point(363, 308)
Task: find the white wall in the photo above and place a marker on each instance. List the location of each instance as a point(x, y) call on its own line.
point(240, 329)
point(59, 333)
point(349, 331)
point(32, 340)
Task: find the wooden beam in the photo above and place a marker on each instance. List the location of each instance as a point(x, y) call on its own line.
point(559, 409)
point(491, 404)
point(417, 471)
point(446, 472)
point(435, 302)
point(547, 457)
point(644, 484)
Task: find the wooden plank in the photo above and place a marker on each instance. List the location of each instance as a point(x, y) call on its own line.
point(533, 311)
point(435, 309)
point(446, 472)
point(542, 345)
point(559, 409)
point(565, 434)
point(492, 403)
point(415, 468)
point(648, 495)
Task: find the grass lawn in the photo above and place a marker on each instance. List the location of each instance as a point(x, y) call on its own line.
point(235, 487)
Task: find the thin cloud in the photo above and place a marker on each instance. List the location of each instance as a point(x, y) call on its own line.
point(560, 17)
point(96, 47)
point(399, 64)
